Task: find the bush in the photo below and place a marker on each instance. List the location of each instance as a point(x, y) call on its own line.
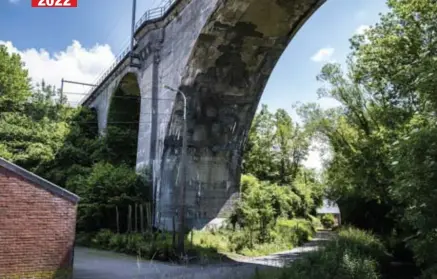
point(157, 246)
point(296, 231)
point(360, 242)
point(316, 223)
point(147, 245)
point(328, 221)
point(353, 254)
point(285, 235)
point(239, 240)
point(106, 187)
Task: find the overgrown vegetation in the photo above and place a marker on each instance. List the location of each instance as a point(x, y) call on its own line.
point(381, 169)
point(328, 221)
point(381, 139)
point(40, 132)
point(149, 245)
point(353, 254)
point(284, 235)
point(265, 220)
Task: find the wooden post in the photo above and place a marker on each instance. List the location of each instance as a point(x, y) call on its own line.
point(136, 217)
point(117, 218)
point(173, 233)
point(149, 216)
point(129, 219)
point(142, 218)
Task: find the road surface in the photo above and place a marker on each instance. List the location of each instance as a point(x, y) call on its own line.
point(95, 264)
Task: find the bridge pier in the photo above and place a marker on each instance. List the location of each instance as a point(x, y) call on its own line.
point(221, 54)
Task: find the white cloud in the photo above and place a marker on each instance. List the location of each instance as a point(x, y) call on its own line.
point(75, 63)
point(323, 55)
point(361, 29)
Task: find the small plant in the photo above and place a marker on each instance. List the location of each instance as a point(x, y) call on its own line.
point(353, 254)
point(328, 221)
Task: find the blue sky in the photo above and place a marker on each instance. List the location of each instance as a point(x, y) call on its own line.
point(98, 22)
point(80, 43)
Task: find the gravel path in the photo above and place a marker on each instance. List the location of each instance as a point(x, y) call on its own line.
point(95, 264)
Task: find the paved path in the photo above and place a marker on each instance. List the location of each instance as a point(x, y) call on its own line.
point(95, 264)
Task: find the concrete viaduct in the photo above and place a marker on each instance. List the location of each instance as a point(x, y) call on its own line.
point(221, 54)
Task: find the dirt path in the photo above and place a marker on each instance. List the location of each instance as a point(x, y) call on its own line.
point(95, 264)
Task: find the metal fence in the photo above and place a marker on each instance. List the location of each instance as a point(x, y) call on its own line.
point(149, 15)
point(154, 13)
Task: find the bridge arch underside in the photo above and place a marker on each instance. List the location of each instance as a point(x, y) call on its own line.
point(229, 67)
point(123, 122)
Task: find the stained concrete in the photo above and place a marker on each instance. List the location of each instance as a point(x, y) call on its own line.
point(221, 54)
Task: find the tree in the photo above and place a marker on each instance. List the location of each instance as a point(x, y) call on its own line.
point(258, 158)
point(292, 144)
point(382, 167)
point(106, 187)
point(14, 81)
point(276, 147)
point(358, 173)
point(396, 60)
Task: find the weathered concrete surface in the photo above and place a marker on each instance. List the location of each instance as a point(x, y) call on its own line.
point(221, 54)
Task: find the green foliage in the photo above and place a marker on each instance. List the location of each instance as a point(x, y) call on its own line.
point(40, 133)
point(328, 221)
point(353, 254)
point(106, 187)
point(263, 203)
point(284, 235)
point(414, 162)
point(276, 147)
point(382, 169)
point(316, 223)
point(151, 246)
point(263, 215)
point(295, 231)
point(14, 82)
point(147, 246)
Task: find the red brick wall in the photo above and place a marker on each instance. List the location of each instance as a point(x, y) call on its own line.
point(37, 229)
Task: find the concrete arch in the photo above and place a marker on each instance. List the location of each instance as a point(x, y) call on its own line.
point(229, 66)
point(125, 95)
point(123, 119)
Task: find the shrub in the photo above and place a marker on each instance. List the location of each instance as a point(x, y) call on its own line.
point(144, 245)
point(239, 240)
point(360, 242)
point(295, 231)
point(285, 235)
point(353, 254)
point(152, 246)
point(316, 223)
point(106, 187)
point(328, 221)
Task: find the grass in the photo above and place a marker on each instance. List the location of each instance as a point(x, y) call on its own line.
point(207, 246)
point(353, 254)
point(156, 246)
point(285, 235)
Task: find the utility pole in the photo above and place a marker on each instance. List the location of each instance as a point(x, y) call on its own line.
point(62, 90)
point(73, 82)
point(182, 180)
point(132, 40)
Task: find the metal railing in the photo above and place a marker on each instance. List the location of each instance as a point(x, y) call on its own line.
point(149, 15)
point(154, 13)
